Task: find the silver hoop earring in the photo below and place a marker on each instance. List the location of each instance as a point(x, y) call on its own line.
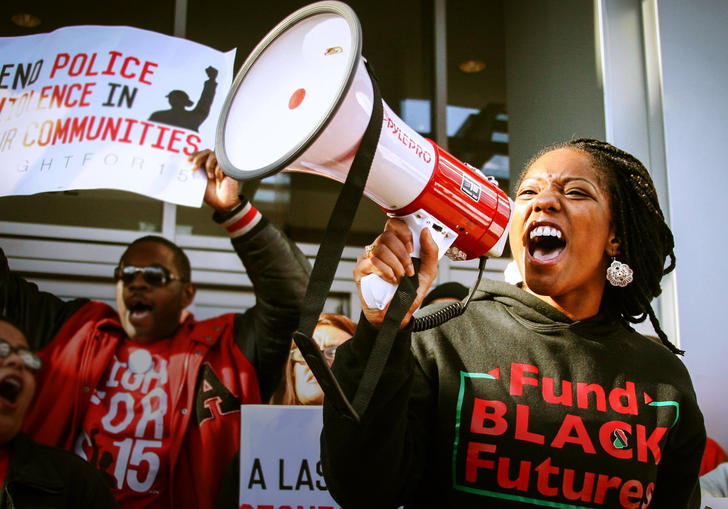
point(619, 274)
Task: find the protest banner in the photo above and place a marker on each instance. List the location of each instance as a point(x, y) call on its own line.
point(90, 107)
point(708, 502)
point(280, 464)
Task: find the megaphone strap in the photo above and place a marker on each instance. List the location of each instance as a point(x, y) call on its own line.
point(324, 376)
point(341, 219)
point(398, 307)
point(331, 247)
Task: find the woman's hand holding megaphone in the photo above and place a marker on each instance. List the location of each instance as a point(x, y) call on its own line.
point(389, 258)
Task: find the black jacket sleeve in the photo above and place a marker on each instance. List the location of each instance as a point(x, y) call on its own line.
point(39, 314)
point(384, 445)
point(279, 272)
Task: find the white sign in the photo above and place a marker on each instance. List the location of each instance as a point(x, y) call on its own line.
point(279, 458)
point(91, 107)
point(714, 503)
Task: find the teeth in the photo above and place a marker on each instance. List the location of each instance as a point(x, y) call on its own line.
point(545, 231)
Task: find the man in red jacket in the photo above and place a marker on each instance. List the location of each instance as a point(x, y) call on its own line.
point(148, 395)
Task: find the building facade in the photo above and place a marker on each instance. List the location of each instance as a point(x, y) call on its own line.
point(490, 81)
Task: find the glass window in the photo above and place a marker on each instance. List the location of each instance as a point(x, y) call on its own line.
point(477, 116)
point(95, 208)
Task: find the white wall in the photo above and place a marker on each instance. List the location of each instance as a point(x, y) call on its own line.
point(694, 42)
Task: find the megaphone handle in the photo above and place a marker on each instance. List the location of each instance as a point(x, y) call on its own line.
point(376, 292)
point(401, 303)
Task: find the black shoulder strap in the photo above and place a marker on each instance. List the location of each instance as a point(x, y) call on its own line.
point(324, 269)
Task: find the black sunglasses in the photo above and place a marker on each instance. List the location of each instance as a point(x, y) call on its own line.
point(30, 360)
point(152, 275)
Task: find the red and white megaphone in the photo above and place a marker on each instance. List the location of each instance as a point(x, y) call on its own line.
point(302, 101)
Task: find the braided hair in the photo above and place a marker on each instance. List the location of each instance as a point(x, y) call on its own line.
point(646, 241)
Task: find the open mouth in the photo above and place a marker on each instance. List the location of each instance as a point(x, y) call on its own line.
point(10, 388)
point(138, 310)
point(545, 243)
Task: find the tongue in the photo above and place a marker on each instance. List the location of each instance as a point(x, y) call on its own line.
point(546, 255)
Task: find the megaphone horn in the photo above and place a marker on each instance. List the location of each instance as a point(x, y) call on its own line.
point(304, 101)
point(301, 102)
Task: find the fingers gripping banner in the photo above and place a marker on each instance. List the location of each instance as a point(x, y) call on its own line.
point(108, 107)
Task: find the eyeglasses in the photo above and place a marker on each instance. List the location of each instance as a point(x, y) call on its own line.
point(30, 360)
point(152, 275)
point(328, 352)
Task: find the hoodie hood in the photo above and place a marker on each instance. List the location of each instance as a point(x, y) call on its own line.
point(538, 316)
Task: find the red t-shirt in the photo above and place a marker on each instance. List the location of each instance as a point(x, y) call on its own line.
point(125, 432)
point(4, 463)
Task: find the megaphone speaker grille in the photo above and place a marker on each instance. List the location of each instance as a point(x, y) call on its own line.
point(288, 90)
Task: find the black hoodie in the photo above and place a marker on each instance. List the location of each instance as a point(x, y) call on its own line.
point(515, 405)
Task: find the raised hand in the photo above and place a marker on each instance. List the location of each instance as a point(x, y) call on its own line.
point(221, 192)
point(211, 72)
